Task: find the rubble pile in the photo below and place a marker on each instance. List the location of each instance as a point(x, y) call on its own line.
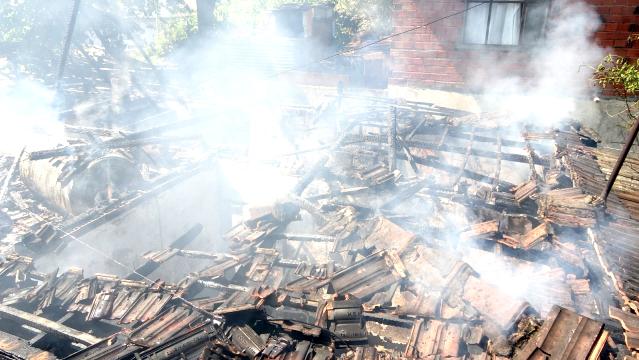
point(393, 244)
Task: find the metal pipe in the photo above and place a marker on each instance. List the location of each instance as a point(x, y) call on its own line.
point(622, 157)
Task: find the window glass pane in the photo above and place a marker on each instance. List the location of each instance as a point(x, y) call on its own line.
point(476, 21)
point(534, 21)
point(505, 22)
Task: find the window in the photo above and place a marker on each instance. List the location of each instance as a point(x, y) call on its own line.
point(508, 22)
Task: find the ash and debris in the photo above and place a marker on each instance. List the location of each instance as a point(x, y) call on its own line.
point(447, 239)
point(411, 231)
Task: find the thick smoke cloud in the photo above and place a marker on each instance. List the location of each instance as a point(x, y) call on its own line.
point(557, 76)
point(558, 70)
point(29, 117)
point(235, 89)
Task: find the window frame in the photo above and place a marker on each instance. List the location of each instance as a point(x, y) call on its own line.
point(522, 22)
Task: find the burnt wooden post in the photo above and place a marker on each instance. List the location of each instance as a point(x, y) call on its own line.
point(67, 42)
point(622, 157)
point(392, 138)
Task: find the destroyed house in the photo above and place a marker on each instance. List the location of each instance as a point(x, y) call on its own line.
point(390, 246)
point(410, 229)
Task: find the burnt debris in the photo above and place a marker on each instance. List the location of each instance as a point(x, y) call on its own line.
point(379, 269)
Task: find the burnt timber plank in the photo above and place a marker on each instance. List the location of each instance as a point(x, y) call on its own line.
point(47, 325)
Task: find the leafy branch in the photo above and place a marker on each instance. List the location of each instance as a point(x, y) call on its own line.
point(622, 77)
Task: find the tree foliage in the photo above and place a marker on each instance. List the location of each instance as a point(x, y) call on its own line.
point(362, 17)
point(353, 18)
point(32, 32)
point(619, 74)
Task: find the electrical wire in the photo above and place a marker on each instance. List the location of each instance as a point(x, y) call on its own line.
point(382, 39)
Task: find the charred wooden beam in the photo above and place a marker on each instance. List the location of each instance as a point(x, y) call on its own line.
point(459, 133)
point(89, 148)
point(440, 147)
point(443, 137)
point(310, 175)
point(416, 128)
point(408, 154)
point(9, 176)
point(312, 209)
point(67, 42)
point(392, 138)
point(308, 237)
point(466, 157)
point(531, 161)
point(144, 270)
point(475, 152)
point(47, 325)
point(462, 132)
point(436, 164)
point(498, 166)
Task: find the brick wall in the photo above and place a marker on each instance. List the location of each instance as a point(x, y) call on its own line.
point(434, 56)
point(620, 19)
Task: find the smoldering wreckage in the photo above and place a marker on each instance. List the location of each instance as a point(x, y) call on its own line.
point(396, 242)
point(380, 276)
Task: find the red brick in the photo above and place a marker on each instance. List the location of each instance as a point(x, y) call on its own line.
point(619, 43)
point(618, 10)
point(607, 36)
point(603, 10)
point(404, 45)
point(612, 18)
point(429, 56)
point(632, 53)
point(397, 81)
point(605, 43)
point(622, 52)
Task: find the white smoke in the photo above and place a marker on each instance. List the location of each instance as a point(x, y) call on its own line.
point(557, 70)
point(29, 118)
point(231, 82)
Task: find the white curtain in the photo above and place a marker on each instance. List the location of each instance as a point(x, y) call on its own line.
point(505, 24)
point(476, 21)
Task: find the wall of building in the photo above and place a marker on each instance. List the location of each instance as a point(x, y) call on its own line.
point(620, 19)
point(435, 57)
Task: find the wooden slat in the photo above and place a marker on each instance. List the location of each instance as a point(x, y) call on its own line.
point(47, 325)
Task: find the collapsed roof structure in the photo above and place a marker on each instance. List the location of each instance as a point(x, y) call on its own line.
point(415, 232)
